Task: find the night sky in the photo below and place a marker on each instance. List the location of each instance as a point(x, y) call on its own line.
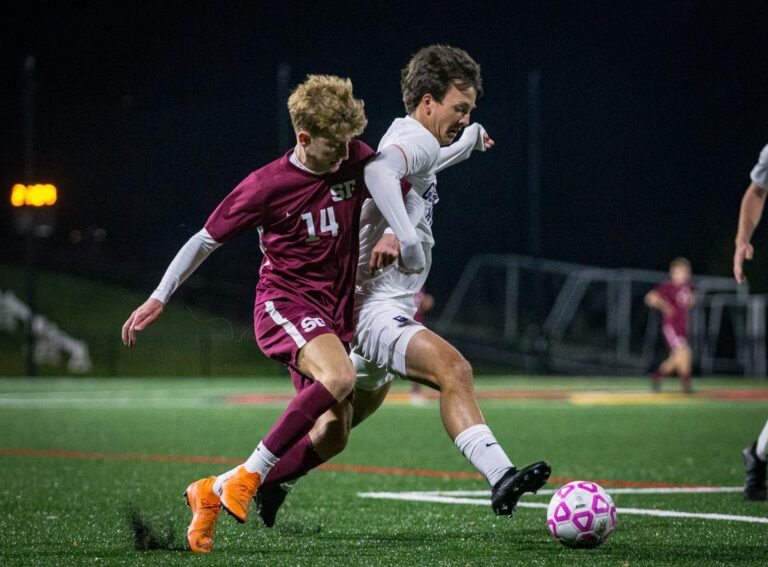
point(652, 115)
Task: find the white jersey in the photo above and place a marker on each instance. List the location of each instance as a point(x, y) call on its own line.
point(759, 173)
point(424, 158)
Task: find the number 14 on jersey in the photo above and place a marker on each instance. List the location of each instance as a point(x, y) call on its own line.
point(327, 224)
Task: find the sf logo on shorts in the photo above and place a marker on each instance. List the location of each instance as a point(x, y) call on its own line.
point(309, 324)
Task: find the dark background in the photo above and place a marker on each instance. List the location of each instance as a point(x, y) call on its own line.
point(147, 114)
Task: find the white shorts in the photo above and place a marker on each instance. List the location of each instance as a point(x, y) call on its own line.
point(384, 329)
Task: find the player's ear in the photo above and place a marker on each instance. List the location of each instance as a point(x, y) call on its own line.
point(427, 100)
point(304, 138)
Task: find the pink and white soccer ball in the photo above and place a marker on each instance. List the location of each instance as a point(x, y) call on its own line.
point(581, 514)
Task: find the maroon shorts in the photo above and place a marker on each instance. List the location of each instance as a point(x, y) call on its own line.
point(673, 337)
point(283, 327)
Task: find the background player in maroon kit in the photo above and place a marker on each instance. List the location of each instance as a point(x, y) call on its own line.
point(306, 206)
point(674, 298)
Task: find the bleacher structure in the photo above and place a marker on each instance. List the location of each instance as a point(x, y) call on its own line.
point(550, 316)
point(50, 341)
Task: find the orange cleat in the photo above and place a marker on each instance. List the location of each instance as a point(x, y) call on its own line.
point(205, 505)
point(238, 491)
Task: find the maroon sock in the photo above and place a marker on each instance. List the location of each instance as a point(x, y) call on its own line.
point(298, 461)
point(298, 418)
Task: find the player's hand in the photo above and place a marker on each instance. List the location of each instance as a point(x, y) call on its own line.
point(412, 258)
point(149, 311)
point(744, 251)
point(385, 252)
point(487, 141)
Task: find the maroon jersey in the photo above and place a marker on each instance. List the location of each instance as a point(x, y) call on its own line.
point(309, 227)
point(679, 297)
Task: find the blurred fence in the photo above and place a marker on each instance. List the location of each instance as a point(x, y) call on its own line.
point(548, 316)
point(514, 312)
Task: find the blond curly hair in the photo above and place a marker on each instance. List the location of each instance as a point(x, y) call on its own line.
point(323, 105)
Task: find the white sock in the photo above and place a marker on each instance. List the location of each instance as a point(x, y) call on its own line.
point(762, 443)
point(261, 461)
point(480, 447)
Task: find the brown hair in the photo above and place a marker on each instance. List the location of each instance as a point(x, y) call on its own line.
point(323, 105)
point(434, 69)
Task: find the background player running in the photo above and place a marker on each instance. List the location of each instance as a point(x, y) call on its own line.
point(752, 205)
point(674, 298)
point(306, 208)
point(440, 86)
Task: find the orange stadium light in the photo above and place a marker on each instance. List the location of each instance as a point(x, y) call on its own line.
point(36, 195)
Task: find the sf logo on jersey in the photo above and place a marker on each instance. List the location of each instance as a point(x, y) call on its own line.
point(342, 191)
point(309, 324)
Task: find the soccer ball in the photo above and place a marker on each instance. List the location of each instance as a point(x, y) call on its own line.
point(581, 514)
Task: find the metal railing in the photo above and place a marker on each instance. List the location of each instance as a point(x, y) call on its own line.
point(546, 315)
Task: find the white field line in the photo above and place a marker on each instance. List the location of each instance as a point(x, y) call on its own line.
point(611, 490)
point(430, 497)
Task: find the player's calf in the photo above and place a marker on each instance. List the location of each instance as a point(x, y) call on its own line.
point(330, 438)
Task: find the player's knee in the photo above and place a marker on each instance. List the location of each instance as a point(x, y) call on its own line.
point(346, 382)
point(459, 374)
point(340, 383)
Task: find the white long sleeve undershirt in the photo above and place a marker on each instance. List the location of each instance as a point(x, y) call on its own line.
point(414, 207)
point(471, 139)
point(382, 177)
point(187, 260)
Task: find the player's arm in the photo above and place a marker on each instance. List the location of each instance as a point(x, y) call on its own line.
point(387, 249)
point(187, 260)
point(752, 205)
point(382, 176)
point(655, 300)
point(474, 138)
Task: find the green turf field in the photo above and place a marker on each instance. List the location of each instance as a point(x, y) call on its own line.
point(78, 455)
